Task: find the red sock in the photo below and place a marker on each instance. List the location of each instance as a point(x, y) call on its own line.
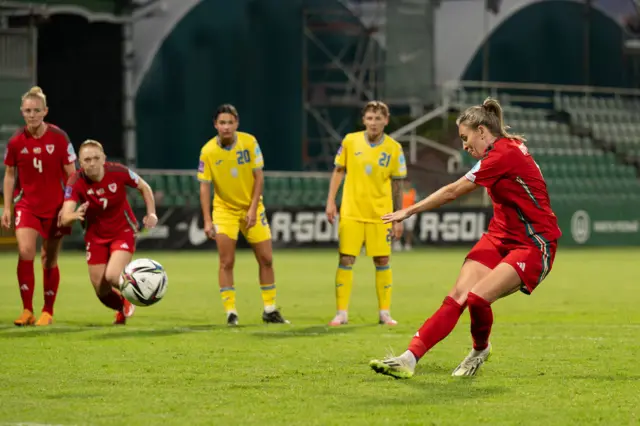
point(26, 281)
point(113, 300)
point(436, 328)
point(481, 321)
point(51, 280)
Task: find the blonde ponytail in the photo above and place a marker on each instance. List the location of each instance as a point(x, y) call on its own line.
point(35, 93)
point(488, 114)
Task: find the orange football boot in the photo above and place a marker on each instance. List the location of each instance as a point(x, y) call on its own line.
point(26, 318)
point(45, 319)
point(127, 311)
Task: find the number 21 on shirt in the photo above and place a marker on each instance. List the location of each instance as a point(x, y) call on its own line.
point(384, 160)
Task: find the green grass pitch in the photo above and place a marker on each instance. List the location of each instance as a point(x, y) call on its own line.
point(568, 355)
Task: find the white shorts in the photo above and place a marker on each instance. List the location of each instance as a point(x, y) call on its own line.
point(410, 223)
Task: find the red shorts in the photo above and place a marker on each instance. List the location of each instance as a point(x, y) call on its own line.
point(98, 253)
point(530, 262)
point(46, 227)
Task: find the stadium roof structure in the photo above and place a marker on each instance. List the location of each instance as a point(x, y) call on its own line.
point(114, 11)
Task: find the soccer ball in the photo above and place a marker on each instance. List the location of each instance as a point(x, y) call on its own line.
point(143, 282)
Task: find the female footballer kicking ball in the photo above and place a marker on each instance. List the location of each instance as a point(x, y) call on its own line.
point(515, 254)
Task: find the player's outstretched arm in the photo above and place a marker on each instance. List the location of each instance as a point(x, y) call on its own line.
point(442, 196)
point(150, 220)
point(334, 185)
point(8, 186)
point(69, 214)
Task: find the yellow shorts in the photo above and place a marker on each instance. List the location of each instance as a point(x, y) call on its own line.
point(230, 223)
point(376, 238)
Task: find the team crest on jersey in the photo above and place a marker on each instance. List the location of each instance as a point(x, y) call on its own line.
point(112, 187)
point(50, 148)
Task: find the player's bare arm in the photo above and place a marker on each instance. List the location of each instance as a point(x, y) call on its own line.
point(69, 169)
point(258, 185)
point(334, 185)
point(8, 186)
point(396, 195)
point(150, 220)
point(205, 205)
point(442, 196)
point(70, 214)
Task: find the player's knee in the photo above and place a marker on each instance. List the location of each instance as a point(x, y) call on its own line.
point(27, 252)
point(381, 260)
point(48, 260)
point(226, 263)
point(102, 288)
point(265, 261)
point(346, 260)
point(459, 295)
point(111, 280)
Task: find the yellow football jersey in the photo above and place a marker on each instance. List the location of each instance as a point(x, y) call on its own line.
point(231, 171)
point(366, 195)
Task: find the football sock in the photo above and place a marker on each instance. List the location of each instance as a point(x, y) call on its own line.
point(384, 284)
point(268, 292)
point(113, 300)
point(228, 295)
point(51, 280)
point(344, 282)
point(26, 281)
point(436, 328)
point(481, 321)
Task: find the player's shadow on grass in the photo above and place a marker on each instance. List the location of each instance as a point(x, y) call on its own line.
point(134, 333)
point(281, 332)
point(26, 332)
point(430, 393)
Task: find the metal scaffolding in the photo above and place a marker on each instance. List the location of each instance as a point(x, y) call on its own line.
point(341, 72)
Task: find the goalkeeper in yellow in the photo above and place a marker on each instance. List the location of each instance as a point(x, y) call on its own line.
point(374, 165)
point(233, 162)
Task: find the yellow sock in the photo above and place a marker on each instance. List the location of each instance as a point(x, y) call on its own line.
point(344, 282)
point(268, 295)
point(228, 295)
point(384, 284)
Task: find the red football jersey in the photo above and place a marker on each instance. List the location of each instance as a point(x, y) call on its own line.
point(39, 167)
point(521, 207)
point(109, 214)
